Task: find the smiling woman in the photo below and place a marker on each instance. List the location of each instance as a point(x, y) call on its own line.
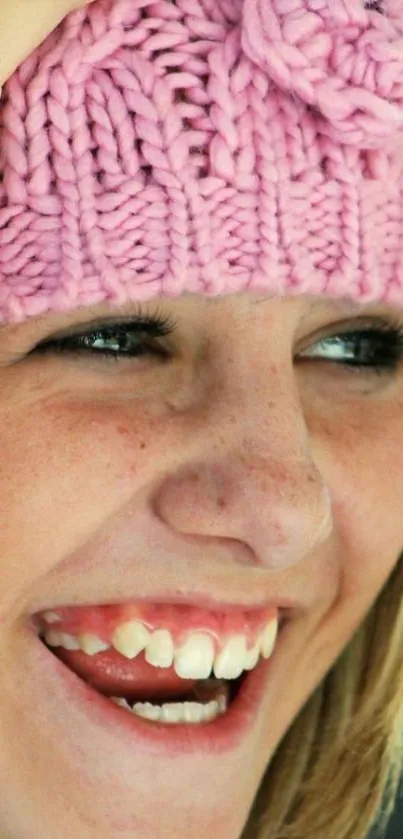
point(201, 377)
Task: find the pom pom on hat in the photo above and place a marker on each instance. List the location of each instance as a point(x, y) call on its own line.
point(342, 58)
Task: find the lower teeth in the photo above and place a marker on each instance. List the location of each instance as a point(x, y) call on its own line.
point(177, 712)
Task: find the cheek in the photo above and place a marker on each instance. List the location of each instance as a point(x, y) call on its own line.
point(364, 468)
point(64, 472)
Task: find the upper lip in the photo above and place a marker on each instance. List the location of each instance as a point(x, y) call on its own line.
point(202, 599)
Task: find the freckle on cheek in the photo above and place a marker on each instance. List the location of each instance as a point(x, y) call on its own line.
point(123, 430)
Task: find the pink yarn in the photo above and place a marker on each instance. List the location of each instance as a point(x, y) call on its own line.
point(204, 146)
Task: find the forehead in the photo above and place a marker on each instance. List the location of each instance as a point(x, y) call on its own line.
point(309, 306)
point(319, 303)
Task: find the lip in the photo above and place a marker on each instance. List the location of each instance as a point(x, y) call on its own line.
point(219, 736)
point(286, 608)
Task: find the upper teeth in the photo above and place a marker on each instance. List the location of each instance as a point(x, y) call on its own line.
point(195, 658)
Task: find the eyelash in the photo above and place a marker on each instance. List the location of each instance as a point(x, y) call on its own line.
point(388, 356)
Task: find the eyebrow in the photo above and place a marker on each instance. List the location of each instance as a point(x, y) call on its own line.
point(344, 304)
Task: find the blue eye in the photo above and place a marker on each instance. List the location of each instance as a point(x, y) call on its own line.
point(377, 348)
point(129, 338)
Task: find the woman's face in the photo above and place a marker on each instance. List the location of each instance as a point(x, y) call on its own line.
point(232, 467)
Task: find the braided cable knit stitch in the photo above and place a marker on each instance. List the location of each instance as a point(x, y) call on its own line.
point(204, 146)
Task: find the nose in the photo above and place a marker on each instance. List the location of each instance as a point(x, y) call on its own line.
point(248, 474)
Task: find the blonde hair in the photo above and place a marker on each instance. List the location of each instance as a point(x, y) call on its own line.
point(337, 770)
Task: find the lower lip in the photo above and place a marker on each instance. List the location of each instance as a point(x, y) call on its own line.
point(219, 736)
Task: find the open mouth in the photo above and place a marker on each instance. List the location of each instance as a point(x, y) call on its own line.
point(135, 673)
point(214, 696)
point(173, 728)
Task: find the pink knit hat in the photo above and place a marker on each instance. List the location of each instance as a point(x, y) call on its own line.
point(204, 146)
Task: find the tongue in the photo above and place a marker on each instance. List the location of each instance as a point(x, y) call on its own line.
point(113, 675)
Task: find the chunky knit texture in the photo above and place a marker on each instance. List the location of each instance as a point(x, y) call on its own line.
point(204, 146)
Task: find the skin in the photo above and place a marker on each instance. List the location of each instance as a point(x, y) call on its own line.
point(24, 24)
point(239, 469)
